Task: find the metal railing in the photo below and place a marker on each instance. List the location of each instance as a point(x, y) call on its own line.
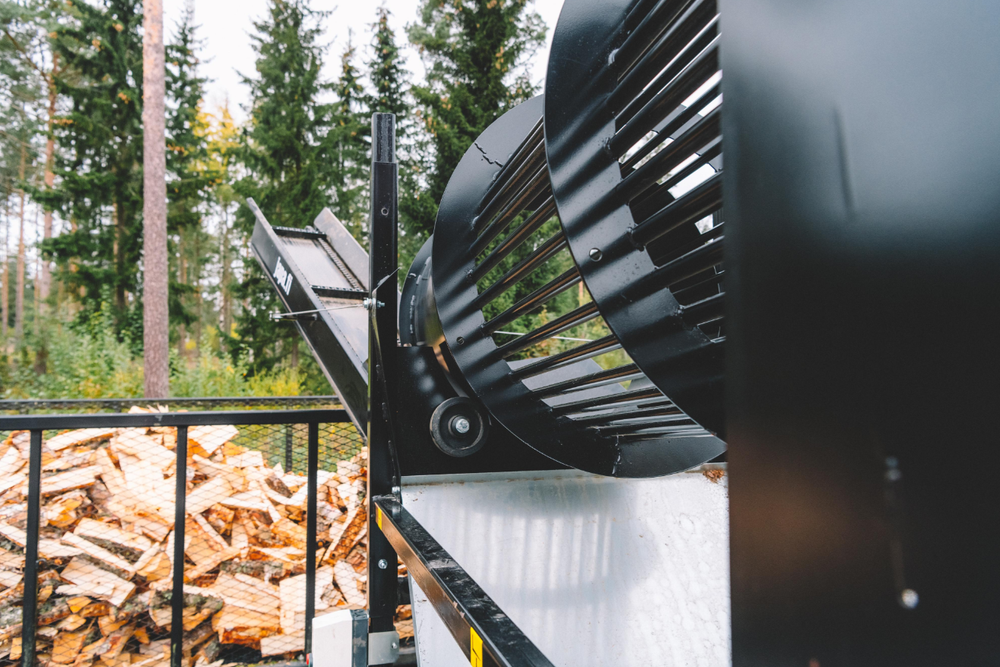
point(219, 488)
point(89, 405)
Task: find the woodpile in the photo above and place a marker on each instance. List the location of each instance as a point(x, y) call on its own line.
point(107, 543)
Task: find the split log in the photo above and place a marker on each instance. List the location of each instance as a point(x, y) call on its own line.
point(210, 438)
point(77, 437)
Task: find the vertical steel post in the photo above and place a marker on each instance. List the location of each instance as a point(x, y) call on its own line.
point(29, 608)
point(382, 371)
point(180, 513)
point(288, 448)
point(311, 467)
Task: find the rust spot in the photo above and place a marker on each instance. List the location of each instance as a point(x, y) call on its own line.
point(715, 475)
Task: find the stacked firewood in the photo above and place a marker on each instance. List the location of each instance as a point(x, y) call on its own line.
point(106, 547)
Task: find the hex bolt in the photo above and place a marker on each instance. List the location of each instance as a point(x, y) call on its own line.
point(596, 254)
point(382, 564)
point(461, 425)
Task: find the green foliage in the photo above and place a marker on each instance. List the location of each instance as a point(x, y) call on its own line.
point(191, 178)
point(475, 52)
point(90, 360)
point(351, 138)
point(289, 161)
point(100, 168)
point(305, 146)
point(391, 94)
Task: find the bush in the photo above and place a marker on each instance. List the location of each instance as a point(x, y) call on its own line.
point(89, 361)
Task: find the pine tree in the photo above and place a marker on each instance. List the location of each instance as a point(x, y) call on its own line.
point(101, 169)
point(191, 178)
point(288, 160)
point(475, 52)
point(23, 93)
point(27, 44)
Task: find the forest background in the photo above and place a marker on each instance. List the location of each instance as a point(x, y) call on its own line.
point(71, 177)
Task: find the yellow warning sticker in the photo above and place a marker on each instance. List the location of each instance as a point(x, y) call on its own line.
point(475, 649)
point(378, 516)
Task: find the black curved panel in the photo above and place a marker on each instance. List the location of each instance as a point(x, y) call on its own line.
point(634, 172)
point(564, 404)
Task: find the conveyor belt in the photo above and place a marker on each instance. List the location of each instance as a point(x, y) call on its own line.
point(321, 275)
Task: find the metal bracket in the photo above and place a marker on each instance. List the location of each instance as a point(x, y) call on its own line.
point(383, 647)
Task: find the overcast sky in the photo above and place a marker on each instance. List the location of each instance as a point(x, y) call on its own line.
point(225, 26)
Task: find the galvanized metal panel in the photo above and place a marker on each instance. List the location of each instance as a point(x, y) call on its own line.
point(594, 570)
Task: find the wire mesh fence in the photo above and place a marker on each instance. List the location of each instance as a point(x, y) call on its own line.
point(96, 510)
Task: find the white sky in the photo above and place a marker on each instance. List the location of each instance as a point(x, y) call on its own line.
point(225, 26)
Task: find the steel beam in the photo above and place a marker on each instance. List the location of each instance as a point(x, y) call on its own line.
point(484, 632)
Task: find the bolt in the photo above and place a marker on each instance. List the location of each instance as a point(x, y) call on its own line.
point(596, 254)
point(395, 645)
point(385, 211)
point(382, 564)
point(909, 598)
point(461, 425)
point(460, 340)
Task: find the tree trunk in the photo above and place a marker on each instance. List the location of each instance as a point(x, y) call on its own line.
point(227, 271)
point(45, 281)
point(121, 304)
point(5, 277)
point(181, 280)
point(199, 306)
point(19, 294)
point(155, 317)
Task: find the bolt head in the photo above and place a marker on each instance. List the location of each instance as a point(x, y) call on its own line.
point(596, 254)
point(909, 598)
point(461, 425)
point(382, 564)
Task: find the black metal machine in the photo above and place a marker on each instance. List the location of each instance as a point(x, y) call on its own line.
point(570, 310)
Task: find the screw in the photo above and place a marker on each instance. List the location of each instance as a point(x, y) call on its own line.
point(909, 598)
point(461, 425)
point(385, 211)
point(395, 645)
point(460, 340)
point(596, 254)
point(382, 564)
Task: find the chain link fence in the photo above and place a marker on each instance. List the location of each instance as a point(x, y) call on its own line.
point(97, 511)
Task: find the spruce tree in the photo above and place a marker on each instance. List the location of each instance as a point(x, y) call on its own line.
point(475, 52)
point(352, 137)
point(288, 161)
point(100, 171)
point(391, 94)
point(190, 179)
point(388, 77)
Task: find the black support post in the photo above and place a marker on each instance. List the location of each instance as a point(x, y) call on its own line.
point(312, 464)
point(382, 373)
point(29, 608)
point(288, 448)
point(177, 594)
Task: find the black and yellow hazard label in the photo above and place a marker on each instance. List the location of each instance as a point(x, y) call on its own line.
point(378, 516)
point(475, 649)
